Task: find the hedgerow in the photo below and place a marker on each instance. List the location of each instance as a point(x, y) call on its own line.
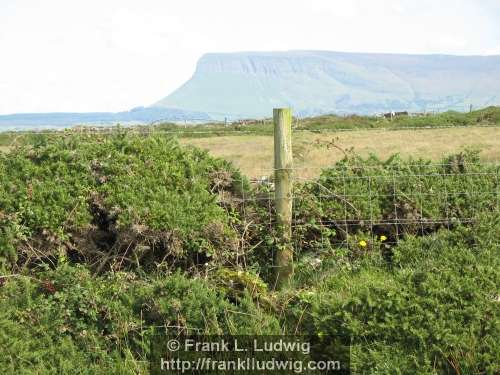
point(364, 200)
point(435, 310)
point(489, 116)
point(67, 320)
point(105, 238)
point(130, 198)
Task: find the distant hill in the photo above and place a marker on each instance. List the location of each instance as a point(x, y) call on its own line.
point(137, 115)
point(250, 84)
point(312, 82)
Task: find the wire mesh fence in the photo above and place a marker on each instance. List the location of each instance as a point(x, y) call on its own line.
point(360, 204)
point(357, 207)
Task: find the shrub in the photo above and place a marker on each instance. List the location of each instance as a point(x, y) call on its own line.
point(106, 238)
point(434, 311)
point(67, 320)
point(121, 198)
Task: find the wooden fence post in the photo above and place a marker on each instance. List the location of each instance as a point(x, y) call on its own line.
point(283, 164)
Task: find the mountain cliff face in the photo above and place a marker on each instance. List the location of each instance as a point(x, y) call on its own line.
point(251, 84)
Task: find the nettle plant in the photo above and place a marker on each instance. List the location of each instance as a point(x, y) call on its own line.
point(114, 200)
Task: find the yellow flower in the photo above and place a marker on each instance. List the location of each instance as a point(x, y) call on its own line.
point(362, 243)
point(383, 238)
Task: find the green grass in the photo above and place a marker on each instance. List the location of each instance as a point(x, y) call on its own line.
point(489, 116)
point(485, 117)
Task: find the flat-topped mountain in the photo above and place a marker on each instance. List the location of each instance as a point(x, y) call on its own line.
point(250, 84)
point(313, 82)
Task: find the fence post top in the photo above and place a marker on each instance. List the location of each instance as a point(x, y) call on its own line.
point(284, 109)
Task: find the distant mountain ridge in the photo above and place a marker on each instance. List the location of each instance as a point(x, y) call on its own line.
point(141, 115)
point(250, 84)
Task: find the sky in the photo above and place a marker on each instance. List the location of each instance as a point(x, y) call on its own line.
point(113, 55)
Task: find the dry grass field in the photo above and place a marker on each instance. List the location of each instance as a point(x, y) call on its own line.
point(254, 154)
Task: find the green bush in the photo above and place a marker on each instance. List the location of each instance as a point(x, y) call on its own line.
point(435, 310)
point(397, 197)
point(135, 199)
point(104, 239)
point(69, 321)
point(371, 201)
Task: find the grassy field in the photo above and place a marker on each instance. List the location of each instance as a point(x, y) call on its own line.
point(484, 117)
point(253, 154)
point(249, 144)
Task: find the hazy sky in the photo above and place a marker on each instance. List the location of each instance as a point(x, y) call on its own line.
point(112, 55)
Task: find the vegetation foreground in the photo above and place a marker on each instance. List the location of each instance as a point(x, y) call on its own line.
point(104, 238)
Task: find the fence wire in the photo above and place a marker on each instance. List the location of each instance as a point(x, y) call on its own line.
point(354, 205)
point(373, 207)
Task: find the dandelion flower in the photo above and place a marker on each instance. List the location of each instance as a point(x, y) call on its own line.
point(362, 243)
point(383, 238)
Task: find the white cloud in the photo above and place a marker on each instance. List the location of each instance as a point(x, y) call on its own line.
point(59, 55)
